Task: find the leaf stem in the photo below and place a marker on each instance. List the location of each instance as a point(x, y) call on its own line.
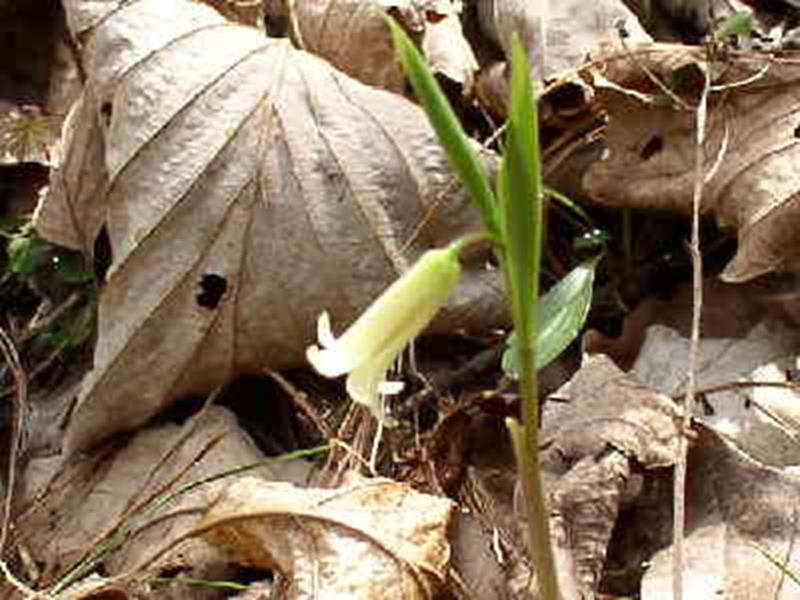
point(521, 196)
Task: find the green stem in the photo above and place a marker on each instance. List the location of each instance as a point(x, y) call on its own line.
point(541, 550)
point(520, 191)
point(468, 240)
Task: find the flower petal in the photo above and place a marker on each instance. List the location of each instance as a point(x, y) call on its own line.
point(370, 345)
point(413, 298)
point(364, 382)
point(324, 333)
point(390, 388)
point(329, 362)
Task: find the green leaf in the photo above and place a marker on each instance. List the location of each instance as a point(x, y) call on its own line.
point(562, 314)
point(520, 195)
point(451, 135)
point(739, 24)
point(569, 203)
point(27, 254)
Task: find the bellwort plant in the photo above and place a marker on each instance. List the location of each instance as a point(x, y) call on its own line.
point(512, 216)
point(511, 212)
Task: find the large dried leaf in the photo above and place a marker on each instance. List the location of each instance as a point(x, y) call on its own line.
point(72, 506)
point(245, 187)
point(354, 37)
point(605, 427)
point(758, 420)
point(557, 35)
point(751, 148)
point(374, 538)
point(738, 510)
point(663, 362)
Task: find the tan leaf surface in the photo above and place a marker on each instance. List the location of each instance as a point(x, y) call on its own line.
point(353, 36)
point(557, 35)
point(373, 538)
point(245, 187)
point(751, 148)
point(605, 426)
point(663, 361)
point(743, 339)
point(85, 499)
point(737, 508)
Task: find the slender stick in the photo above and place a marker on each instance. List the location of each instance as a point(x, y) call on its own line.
point(679, 492)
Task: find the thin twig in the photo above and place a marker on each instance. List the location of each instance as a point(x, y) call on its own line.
point(302, 402)
point(677, 100)
point(738, 385)
point(679, 525)
point(18, 422)
point(478, 364)
point(38, 324)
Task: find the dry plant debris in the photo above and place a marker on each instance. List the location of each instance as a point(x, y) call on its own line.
point(245, 184)
point(370, 538)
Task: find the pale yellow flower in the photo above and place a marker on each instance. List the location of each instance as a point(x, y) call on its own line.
point(367, 350)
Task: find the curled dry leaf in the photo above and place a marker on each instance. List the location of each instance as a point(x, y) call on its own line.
point(604, 429)
point(354, 37)
point(739, 512)
point(751, 151)
point(245, 187)
point(373, 538)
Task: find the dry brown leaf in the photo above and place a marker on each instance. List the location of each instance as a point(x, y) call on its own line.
point(737, 509)
point(727, 356)
point(729, 311)
point(688, 21)
point(373, 538)
point(557, 35)
point(245, 12)
point(663, 360)
point(245, 187)
point(751, 146)
point(84, 499)
point(354, 37)
point(605, 424)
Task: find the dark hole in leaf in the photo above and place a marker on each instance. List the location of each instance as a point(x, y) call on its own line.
point(708, 408)
point(653, 146)
point(622, 31)
point(797, 132)
point(212, 289)
point(105, 113)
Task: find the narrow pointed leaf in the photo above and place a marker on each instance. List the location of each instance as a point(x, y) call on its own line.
point(521, 186)
point(562, 314)
point(448, 129)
